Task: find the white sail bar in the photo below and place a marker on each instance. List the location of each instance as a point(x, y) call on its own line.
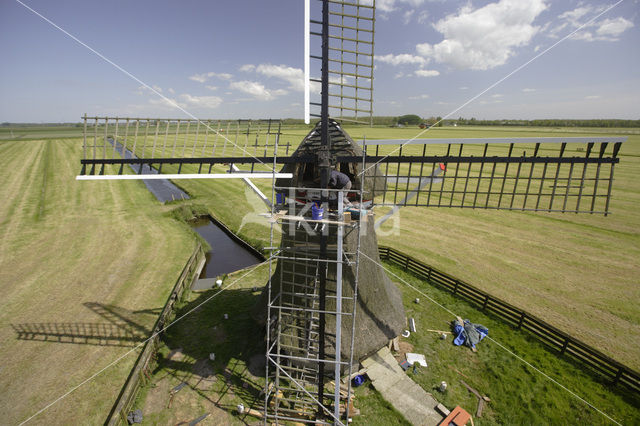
point(256, 175)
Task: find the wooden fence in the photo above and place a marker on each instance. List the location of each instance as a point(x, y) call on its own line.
point(566, 345)
point(139, 375)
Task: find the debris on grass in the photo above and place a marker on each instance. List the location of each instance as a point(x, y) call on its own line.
point(467, 333)
point(413, 358)
point(458, 416)
point(481, 398)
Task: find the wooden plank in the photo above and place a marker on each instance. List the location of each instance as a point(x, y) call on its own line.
point(480, 407)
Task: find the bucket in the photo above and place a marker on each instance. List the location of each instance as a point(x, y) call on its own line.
point(317, 212)
point(358, 380)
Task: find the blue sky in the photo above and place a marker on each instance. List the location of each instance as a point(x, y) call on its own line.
point(244, 59)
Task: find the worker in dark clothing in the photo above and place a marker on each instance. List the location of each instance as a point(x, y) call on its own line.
point(339, 180)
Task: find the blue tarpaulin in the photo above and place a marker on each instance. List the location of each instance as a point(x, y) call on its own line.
point(469, 334)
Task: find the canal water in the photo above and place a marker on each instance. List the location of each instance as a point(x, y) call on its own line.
point(163, 189)
point(228, 252)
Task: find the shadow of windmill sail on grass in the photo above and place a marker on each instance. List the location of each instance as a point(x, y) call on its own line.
point(122, 328)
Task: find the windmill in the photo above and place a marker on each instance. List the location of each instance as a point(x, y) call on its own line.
point(326, 305)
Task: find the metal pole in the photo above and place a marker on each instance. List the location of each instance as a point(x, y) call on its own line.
point(84, 135)
point(307, 37)
point(336, 396)
point(268, 322)
point(324, 165)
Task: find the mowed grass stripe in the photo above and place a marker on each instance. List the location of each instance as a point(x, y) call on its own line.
point(102, 243)
point(18, 176)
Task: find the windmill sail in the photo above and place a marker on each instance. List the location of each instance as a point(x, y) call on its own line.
point(530, 174)
point(178, 146)
point(350, 25)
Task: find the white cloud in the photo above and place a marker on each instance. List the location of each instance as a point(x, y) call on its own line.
point(201, 101)
point(171, 90)
point(211, 87)
point(149, 90)
point(527, 90)
point(613, 27)
point(184, 101)
point(593, 97)
point(201, 78)
point(256, 89)
point(484, 38)
point(608, 29)
point(293, 76)
point(422, 17)
point(463, 88)
point(497, 95)
point(419, 97)
point(401, 59)
point(574, 16)
point(398, 75)
point(426, 73)
point(165, 102)
point(407, 15)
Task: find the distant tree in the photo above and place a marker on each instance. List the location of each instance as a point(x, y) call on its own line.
point(410, 119)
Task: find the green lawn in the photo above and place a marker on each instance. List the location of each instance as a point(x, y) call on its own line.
point(84, 262)
point(519, 394)
point(39, 132)
point(578, 272)
point(71, 252)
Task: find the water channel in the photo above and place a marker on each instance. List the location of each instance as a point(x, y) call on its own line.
point(228, 252)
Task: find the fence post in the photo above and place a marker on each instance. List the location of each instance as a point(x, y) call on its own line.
point(455, 288)
point(522, 315)
point(564, 345)
point(486, 300)
point(429, 274)
point(618, 375)
point(406, 263)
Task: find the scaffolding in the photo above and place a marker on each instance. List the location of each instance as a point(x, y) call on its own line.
point(306, 312)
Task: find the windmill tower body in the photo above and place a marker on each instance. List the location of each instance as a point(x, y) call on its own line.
point(378, 303)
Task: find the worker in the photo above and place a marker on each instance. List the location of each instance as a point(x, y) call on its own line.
point(339, 180)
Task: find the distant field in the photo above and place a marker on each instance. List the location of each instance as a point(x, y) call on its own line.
point(39, 132)
point(89, 263)
point(579, 272)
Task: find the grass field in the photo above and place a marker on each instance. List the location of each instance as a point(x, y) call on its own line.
point(578, 272)
point(74, 254)
point(519, 394)
point(39, 132)
point(83, 261)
